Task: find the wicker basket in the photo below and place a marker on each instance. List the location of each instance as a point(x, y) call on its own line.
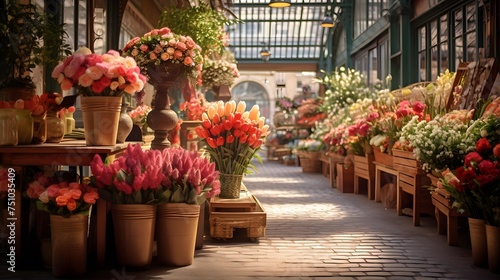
point(310, 165)
point(230, 185)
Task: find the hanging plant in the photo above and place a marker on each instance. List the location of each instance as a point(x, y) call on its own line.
point(202, 23)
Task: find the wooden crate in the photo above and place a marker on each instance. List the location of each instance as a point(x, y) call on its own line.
point(223, 220)
point(405, 162)
point(245, 203)
point(325, 164)
point(345, 178)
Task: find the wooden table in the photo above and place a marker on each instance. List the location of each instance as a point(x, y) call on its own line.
point(67, 153)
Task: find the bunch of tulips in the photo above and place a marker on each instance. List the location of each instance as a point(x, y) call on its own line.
point(232, 135)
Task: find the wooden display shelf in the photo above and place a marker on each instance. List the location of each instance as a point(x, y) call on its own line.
point(245, 212)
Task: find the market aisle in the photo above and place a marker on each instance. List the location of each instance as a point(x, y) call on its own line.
point(315, 232)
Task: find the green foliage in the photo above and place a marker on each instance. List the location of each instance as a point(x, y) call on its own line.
point(202, 23)
point(27, 39)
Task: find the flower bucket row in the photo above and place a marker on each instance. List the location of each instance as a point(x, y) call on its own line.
point(145, 187)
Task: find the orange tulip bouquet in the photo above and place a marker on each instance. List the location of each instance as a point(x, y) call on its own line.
point(232, 137)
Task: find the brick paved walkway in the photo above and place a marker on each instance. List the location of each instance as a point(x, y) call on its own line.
point(315, 232)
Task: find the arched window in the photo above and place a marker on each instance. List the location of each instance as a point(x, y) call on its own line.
point(252, 93)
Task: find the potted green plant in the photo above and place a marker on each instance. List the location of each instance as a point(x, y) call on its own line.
point(27, 40)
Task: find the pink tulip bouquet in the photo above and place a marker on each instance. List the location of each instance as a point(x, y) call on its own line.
point(152, 177)
point(99, 75)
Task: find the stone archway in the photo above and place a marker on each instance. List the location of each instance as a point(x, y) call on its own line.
point(252, 93)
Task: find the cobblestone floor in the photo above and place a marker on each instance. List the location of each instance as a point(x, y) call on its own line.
point(316, 232)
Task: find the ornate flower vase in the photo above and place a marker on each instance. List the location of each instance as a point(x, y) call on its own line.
point(70, 123)
point(477, 231)
point(69, 245)
point(230, 185)
point(39, 129)
point(8, 127)
point(162, 119)
point(222, 92)
point(493, 243)
point(24, 126)
point(55, 127)
point(125, 124)
point(134, 232)
point(100, 119)
point(176, 230)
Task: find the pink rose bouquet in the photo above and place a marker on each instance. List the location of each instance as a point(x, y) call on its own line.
point(99, 75)
point(61, 198)
point(161, 46)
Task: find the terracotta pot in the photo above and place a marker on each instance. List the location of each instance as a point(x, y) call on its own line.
point(100, 119)
point(493, 243)
point(477, 230)
point(176, 230)
point(230, 185)
point(69, 245)
point(134, 231)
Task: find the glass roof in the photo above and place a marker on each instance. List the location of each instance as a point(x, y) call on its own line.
point(290, 34)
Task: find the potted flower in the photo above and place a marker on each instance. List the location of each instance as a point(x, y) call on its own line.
point(107, 76)
point(132, 183)
point(167, 59)
point(474, 187)
point(189, 180)
point(222, 71)
point(308, 151)
point(28, 37)
point(232, 137)
point(68, 204)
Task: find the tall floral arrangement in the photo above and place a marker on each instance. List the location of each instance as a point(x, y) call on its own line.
point(162, 46)
point(99, 75)
point(61, 198)
point(189, 178)
point(232, 135)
